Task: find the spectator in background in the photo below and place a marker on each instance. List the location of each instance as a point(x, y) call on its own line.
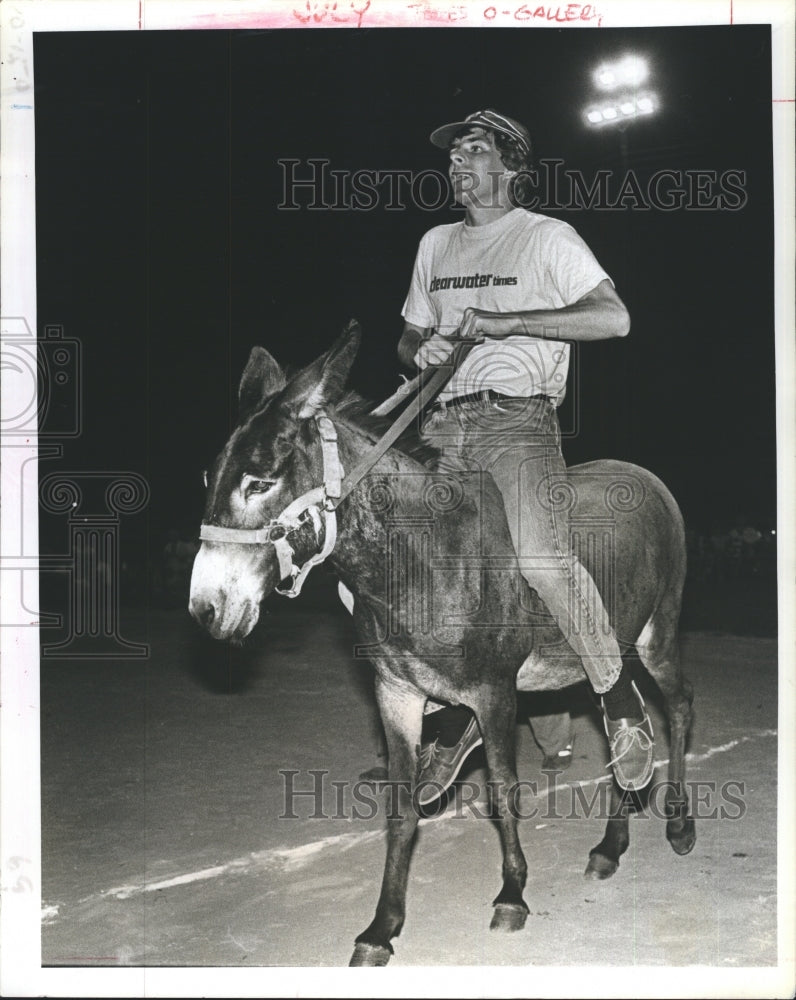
point(751, 539)
point(717, 553)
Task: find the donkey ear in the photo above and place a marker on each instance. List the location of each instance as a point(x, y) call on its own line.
point(261, 379)
point(322, 383)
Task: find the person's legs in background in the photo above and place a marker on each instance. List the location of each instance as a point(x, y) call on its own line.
point(553, 734)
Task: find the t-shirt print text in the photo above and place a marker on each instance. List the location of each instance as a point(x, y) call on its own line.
point(470, 281)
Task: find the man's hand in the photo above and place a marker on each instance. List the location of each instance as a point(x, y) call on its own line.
point(477, 325)
point(480, 324)
point(434, 351)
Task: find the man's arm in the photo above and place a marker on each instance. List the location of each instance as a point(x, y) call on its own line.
point(409, 344)
point(599, 315)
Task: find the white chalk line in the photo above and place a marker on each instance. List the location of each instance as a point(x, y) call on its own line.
point(288, 859)
point(550, 791)
point(690, 758)
point(278, 858)
point(283, 859)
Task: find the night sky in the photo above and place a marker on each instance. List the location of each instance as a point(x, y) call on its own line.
point(162, 248)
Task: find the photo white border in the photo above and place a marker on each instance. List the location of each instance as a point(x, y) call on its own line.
point(20, 918)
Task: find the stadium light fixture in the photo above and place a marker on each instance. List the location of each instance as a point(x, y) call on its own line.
point(623, 108)
point(629, 71)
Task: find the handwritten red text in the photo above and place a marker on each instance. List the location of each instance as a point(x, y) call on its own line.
point(566, 13)
point(319, 11)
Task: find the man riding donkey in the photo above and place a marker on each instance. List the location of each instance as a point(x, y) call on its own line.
point(520, 284)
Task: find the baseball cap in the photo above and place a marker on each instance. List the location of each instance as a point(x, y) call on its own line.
point(489, 119)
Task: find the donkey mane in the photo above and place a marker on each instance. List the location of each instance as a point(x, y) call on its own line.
point(354, 411)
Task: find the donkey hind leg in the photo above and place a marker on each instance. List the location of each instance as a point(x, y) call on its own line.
point(402, 716)
point(661, 656)
point(497, 721)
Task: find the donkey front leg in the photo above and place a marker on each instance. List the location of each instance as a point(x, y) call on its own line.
point(604, 858)
point(498, 720)
point(402, 716)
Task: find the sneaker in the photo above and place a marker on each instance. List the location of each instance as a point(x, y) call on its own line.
point(439, 766)
point(632, 748)
point(558, 761)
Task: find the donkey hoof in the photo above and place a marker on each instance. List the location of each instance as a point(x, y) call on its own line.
point(600, 867)
point(508, 917)
point(682, 836)
point(370, 954)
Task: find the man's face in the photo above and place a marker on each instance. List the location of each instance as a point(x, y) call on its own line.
point(478, 175)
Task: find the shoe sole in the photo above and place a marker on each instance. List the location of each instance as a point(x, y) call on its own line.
point(437, 789)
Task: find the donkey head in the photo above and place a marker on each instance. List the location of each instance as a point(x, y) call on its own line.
point(272, 457)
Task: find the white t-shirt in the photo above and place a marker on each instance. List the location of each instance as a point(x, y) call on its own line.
point(522, 261)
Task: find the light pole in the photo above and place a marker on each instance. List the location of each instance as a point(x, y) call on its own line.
point(621, 96)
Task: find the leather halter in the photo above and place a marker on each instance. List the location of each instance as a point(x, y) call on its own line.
point(321, 503)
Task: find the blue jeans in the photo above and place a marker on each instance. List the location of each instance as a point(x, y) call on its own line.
point(518, 442)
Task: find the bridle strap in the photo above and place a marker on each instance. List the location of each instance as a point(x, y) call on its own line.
point(242, 536)
point(319, 503)
point(299, 574)
point(284, 554)
point(332, 469)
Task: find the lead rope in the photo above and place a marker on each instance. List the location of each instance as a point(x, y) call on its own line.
point(428, 390)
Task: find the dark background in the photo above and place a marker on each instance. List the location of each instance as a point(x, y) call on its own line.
point(161, 247)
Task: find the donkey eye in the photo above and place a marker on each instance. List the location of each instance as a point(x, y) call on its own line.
point(259, 485)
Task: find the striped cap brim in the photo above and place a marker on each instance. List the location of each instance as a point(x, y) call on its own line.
point(488, 119)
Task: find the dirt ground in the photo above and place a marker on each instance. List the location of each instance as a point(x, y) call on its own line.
point(169, 837)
